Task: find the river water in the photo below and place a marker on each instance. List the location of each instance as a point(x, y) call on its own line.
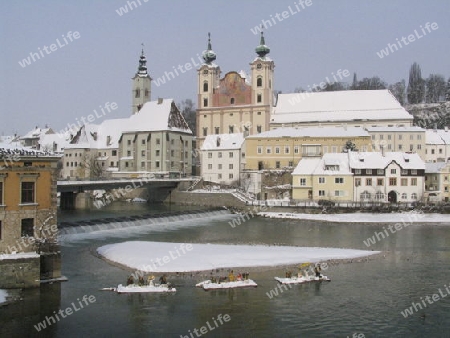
point(364, 299)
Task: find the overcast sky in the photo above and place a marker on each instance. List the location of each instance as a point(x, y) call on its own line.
point(95, 67)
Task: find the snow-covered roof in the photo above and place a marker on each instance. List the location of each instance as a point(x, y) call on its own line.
point(435, 137)
point(313, 132)
point(434, 167)
point(348, 105)
point(319, 166)
point(47, 142)
point(36, 133)
point(396, 129)
point(445, 135)
point(376, 160)
point(223, 142)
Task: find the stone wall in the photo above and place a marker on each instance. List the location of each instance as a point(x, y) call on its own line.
point(19, 273)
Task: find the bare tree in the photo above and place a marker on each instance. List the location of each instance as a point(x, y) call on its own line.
point(89, 167)
point(398, 89)
point(187, 109)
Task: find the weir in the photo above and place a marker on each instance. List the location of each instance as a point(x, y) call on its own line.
point(105, 224)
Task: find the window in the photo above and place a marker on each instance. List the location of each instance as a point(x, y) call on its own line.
point(27, 192)
point(143, 153)
point(209, 155)
point(381, 136)
point(338, 180)
point(357, 171)
point(259, 150)
point(365, 195)
point(219, 176)
point(419, 147)
point(172, 142)
point(413, 172)
point(432, 151)
point(321, 192)
point(219, 167)
point(325, 149)
point(230, 166)
point(277, 150)
point(400, 147)
point(404, 196)
point(205, 86)
point(414, 181)
point(137, 93)
point(217, 130)
point(404, 172)
point(380, 172)
point(205, 131)
point(1, 194)
point(392, 180)
point(146, 93)
point(157, 164)
point(172, 153)
point(268, 150)
point(219, 154)
point(414, 196)
point(129, 142)
point(142, 165)
point(205, 102)
point(296, 149)
point(291, 163)
point(259, 82)
point(231, 129)
point(157, 152)
point(389, 146)
point(369, 171)
point(258, 129)
point(143, 142)
point(357, 182)
point(368, 181)
point(114, 153)
point(210, 166)
point(259, 98)
point(277, 165)
point(158, 141)
point(321, 180)
point(230, 154)
point(411, 137)
point(404, 182)
point(333, 149)
point(128, 153)
point(287, 149)
point(389, 137)
point(258, 113)
point(111, 164)
point(393, 171)
point(303, 181)
point(126, 164)
point(399, 137)
point(0, 230)
point(339, 193)
point(232, 101)
point(230, 176)
point(380, 181)
point(379, 196)
point(27, 229)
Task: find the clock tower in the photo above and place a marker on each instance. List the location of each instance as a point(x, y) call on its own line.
point(141, 89)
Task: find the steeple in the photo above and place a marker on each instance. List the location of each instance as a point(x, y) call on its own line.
point(142, 69)
point(208, 55)
point(262, 50)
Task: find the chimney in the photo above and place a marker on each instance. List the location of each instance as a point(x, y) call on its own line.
point(160, 100)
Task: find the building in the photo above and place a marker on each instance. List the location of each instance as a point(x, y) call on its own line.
point(156, 139)
point(360, 177)
point(223, 158)
point(28, 225)
point(141, 88)
point(31, 139)
point(355, 108)
point(237, 102)
point(284, 147)
point(403, 139)
point(437, 147)
point(437, 181)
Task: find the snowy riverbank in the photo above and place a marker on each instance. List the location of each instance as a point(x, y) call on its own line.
point(182, 257)
point(409, 217)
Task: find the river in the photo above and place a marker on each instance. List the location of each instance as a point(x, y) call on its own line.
point(364, 299)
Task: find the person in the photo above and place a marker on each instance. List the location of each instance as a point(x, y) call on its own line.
point(141, 281)
point(317, 270)
point(231, 276)
point(162, 279)
point(130, 280)
point(150, 280)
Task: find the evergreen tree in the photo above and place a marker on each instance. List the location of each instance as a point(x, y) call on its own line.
point(447, 94)
point(435, 88)
point(416, 85)
point(354, 83)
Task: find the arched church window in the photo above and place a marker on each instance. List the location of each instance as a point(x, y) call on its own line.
point(137, 93)
point(259, 81)
point(146, 93)
point(205, 102)
point(205, 86)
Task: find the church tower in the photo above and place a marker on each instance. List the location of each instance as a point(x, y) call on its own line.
point(141, 89)
point(208, 81)
point(262, 70)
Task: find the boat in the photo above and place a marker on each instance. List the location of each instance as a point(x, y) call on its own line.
point(143, 288)
point(210, 285)
point(302, 279)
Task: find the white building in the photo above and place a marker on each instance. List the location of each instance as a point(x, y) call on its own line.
point(222, 158)
point(437, 145)
point(357, 108)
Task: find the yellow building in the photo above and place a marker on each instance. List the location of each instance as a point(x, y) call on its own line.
point(237, 102)
point(437, 181)
point(28, 204)
point(284, 147)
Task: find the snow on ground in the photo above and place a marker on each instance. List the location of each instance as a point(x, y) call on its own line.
point(406, 217)
point(3, 295)
point(182, 257)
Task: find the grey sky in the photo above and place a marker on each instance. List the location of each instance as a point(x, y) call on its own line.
point(306, 46)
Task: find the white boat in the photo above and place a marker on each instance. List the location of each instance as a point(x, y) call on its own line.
point(209, 285)
point(135, 288)
point(302, 279)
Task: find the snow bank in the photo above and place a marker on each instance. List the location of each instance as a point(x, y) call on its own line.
point(182, 257)
point(407, 217)
point(3, 295)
